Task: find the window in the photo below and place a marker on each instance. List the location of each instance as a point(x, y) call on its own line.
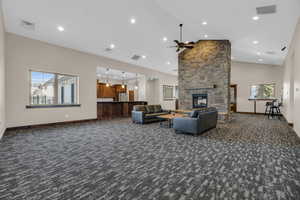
point(176, 92)
point(168, 92)
point(53, 89)
point(262, 91)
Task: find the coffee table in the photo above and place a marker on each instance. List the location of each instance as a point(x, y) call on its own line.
point(169, 119)
point(182, 111)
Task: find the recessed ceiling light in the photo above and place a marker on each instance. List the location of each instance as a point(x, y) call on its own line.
point(232, 58)
point(60, 28)
point(168, 63)
point(204, 23)
point(132, 20)
point(258, 53)
point(255, 18)
point(165, 39)
point(255, 42)
point(144, 57)
point(112, 46)
point(206, 36)
point(260, 60)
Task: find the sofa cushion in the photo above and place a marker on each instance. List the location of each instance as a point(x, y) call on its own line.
point(139, 108)
point(194, 114)
point(211, 109)
point(150, 109)
point(207, 110)
point(157, 108)
point(152, 115)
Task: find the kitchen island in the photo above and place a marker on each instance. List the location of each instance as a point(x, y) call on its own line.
point(116, 109)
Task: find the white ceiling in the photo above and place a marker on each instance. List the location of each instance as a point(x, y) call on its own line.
point(103, 73)
point(92, 25)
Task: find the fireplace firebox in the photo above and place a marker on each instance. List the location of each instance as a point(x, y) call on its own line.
point(200, 100)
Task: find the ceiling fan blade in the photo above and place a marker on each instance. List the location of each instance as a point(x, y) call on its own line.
point(176, 41)
point(178, 49)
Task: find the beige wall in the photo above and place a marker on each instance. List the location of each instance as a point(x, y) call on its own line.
point(2, 75)
point(291, 83)
point(247, 74)
point(24, 54)
point(288, 88)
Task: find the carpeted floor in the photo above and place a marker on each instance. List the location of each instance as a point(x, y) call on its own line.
point(250, 158)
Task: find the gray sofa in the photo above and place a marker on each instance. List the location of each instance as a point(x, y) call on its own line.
point(197, 122)
point(147, 113)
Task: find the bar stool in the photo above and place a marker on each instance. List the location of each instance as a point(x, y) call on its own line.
point(275, 109)
point(268, 106)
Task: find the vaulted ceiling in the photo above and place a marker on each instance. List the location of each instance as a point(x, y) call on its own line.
point(139, 27)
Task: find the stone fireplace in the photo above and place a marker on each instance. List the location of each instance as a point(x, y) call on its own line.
point(204, 76)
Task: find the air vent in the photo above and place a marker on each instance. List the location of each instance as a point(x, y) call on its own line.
point(28, 25)
point(152, 78)
point(264, 10)
point(271, 52)
point(135, 57)
point(107, 49)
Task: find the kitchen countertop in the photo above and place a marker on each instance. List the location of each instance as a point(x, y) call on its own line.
point(121, 101)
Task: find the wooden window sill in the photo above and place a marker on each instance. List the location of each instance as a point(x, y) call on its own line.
point(53, 106)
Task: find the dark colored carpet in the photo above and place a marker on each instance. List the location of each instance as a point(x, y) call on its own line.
point(250, 158)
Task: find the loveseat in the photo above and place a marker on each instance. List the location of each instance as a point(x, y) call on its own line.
point(147, 113)
point(197, 122)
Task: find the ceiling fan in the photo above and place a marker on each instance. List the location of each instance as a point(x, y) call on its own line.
point(183, 45)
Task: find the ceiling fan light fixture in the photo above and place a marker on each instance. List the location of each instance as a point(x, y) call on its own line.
point(180, 45)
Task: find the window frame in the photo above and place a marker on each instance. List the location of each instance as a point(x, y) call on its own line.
point(30, 105)
point(273, 97)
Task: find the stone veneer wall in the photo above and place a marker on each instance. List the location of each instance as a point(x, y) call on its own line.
point(207, 64)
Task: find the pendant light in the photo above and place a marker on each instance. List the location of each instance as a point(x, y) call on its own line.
point(136, 82)
point(123, 77)
point(107, 82)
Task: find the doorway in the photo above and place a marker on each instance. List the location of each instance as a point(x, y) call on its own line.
point(233, 97)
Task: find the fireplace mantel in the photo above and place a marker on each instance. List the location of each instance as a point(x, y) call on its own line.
point(204, 88)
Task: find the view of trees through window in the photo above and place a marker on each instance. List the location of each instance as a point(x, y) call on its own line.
point(263, 91)
point(53, 89)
